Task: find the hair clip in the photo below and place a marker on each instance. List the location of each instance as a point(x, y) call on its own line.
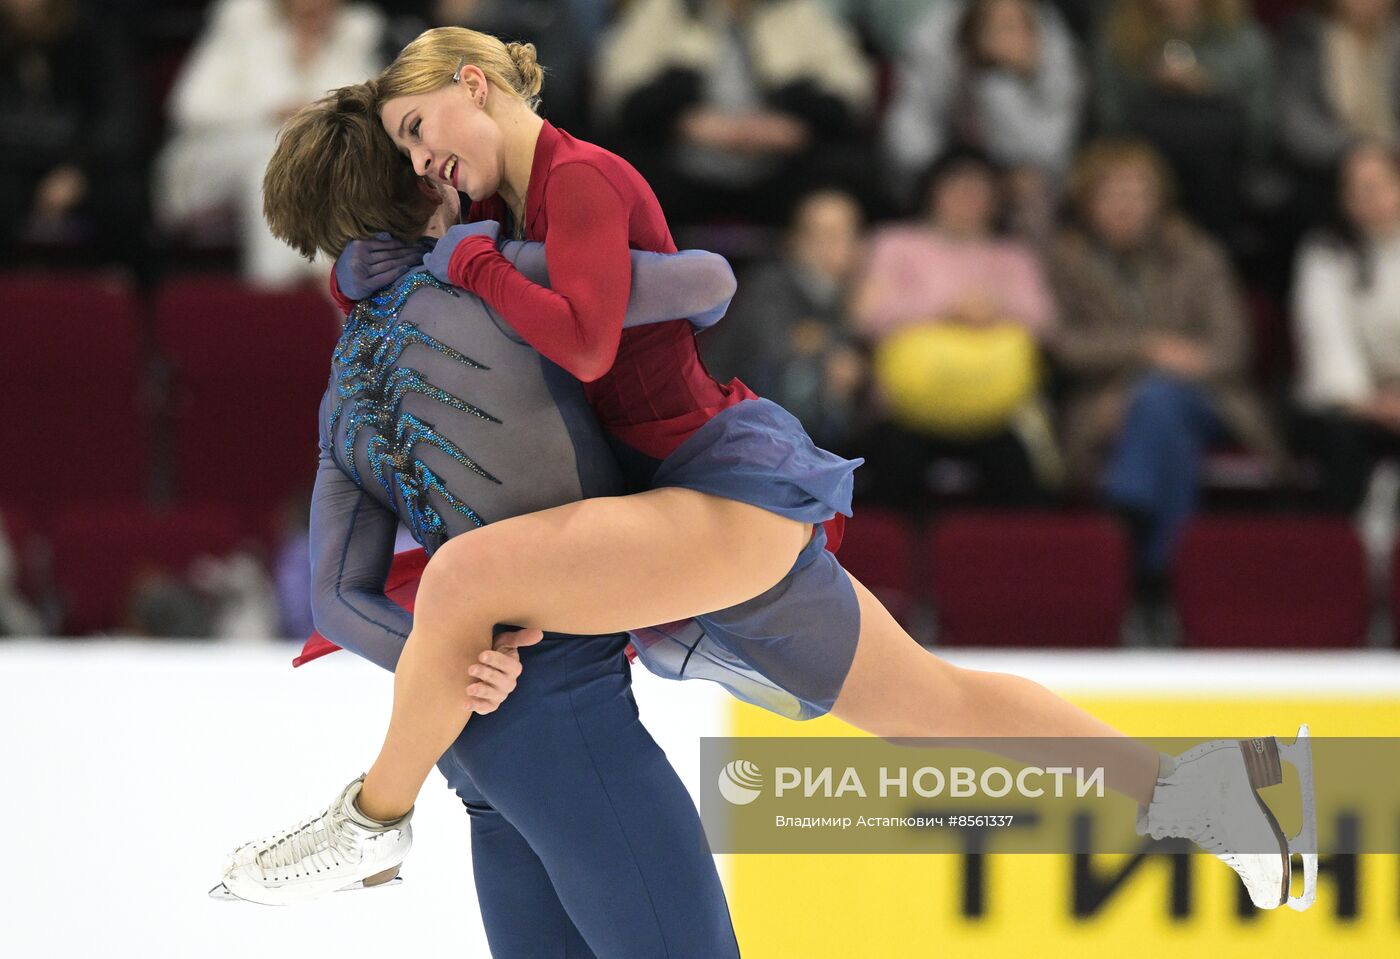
point(457, 74)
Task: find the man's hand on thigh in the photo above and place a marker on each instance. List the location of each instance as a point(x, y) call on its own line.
point(497, 670)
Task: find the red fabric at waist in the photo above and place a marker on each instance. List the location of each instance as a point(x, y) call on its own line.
point(658, 391)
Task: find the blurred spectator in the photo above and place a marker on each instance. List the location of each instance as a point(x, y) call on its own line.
point(735, 107)
point(1339, 84)
point(258, 62)
point(1339, 80)
point(1194, 78)
point(164, 606)
point(564, 33)
point(786, 334)
point(242, 595)
point(291, 570)
point(1346, 311)
point(954, 312)
point(886, 24)
point(17, 617)
point(70, 131)
point(1155, 343)
point(1001, 75)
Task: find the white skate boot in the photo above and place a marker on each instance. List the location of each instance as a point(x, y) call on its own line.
point(1208, 795)
point(338, 849)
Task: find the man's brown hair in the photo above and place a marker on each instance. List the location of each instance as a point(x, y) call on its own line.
point(335, 177)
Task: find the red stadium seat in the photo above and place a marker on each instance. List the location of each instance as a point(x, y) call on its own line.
point(71, 389)
point(248, 369)
point(16, 526)
point(1395, 590)
point(100, 551)
point(1285, 581)
point(1029, 579)
point(878, 550)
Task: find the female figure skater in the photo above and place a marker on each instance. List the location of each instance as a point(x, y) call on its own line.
point(733, 519)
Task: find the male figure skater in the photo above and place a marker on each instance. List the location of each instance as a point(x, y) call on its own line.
point(439, 416)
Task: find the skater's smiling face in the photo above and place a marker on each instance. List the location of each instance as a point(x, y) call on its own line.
point(450, 135)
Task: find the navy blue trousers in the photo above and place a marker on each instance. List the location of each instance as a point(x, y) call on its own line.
point(585, 843)
point(1156, 466)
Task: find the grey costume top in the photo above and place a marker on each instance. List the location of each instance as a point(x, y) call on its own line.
point(438, 414)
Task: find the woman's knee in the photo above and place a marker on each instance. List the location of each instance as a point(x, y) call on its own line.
point(459, 566)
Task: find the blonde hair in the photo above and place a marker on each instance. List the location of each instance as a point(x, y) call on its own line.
point(436, 56)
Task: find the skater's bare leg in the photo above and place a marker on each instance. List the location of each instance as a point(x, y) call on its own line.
point(603, 565)
point(896, 689)
point(606, 565)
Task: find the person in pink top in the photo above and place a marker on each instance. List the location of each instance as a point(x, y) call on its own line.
point(952, 266)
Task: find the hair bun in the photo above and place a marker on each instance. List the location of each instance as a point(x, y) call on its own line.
point(531, 73)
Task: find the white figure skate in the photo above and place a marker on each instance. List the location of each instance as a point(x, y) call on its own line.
point(1209, 795)
point(338, 849)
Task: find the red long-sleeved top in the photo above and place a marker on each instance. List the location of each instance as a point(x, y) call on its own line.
point(647, 384)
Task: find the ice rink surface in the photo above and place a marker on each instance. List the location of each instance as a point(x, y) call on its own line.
point(128, 770)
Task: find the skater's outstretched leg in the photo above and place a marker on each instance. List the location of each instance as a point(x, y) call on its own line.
point(898, 689)
point(1208, 794)
point(608, 564)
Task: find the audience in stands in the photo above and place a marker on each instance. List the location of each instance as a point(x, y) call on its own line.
point(1339, 83)
point(884, 24)
point(954, 311)
point(786, 334)
point(70, 132)
point(563, 31)
point(1346, 312)
point(1155, 344)
point(920, 349)
point(258, 62)
point(1000, 75)
point(735, 107)
point(1339, 80)
point(1194, 78)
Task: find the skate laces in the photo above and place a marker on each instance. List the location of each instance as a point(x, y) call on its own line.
point(319, 843)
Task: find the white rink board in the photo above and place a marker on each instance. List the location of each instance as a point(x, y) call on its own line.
point(131, 769)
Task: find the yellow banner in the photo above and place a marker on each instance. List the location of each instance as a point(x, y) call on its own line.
point(890, 907)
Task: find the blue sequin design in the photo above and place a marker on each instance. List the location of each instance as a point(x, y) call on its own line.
point(370, 387)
